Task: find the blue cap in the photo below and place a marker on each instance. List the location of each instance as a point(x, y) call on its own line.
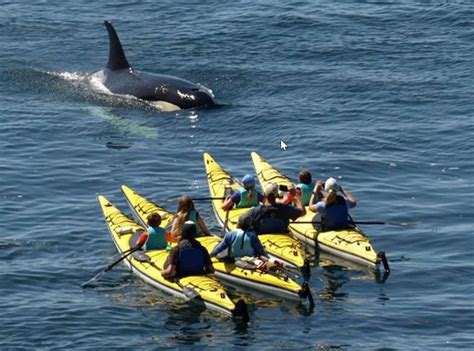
point(248, 181)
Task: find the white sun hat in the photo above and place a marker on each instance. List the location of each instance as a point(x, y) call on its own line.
point(331, 183)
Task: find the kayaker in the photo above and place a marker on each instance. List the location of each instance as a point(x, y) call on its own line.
point(185, 211)
point(305, 187)
point(156, 234)
point(274, 217)
point(241, 242)
point(246, 197)
point(189, 257)
point(334, 208)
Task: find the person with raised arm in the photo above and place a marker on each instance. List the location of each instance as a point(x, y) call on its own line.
point(273, 217)
point(334, 208)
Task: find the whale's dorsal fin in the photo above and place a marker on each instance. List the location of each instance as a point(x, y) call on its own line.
point(117, 59)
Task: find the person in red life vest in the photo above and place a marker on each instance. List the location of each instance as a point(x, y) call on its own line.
point(189, 257)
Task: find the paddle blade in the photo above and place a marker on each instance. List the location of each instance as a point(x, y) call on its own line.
point(190, 293)
point(93, 279)
point(240, 312)
point(142, 240)
point(306, 292)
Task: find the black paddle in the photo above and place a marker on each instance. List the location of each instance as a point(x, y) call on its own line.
point(401, 224)
point(207, 198)
point(141, 241)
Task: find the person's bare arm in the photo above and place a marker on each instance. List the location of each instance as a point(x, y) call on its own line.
point(297, 200)
point(228, 204)
point(348, 196)
point(203, 227)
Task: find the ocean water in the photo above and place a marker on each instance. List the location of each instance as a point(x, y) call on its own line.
point(376, 93)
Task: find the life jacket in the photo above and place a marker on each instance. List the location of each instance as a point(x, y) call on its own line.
point(306, 191)
point(268, 221)
point(241, 245)
point(156, 239)
point(190, 262)
point(245, 202)
point(336, 216)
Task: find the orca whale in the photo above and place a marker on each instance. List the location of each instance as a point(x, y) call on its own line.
point(170, 93)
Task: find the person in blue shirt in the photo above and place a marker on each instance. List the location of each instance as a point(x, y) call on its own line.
point(273, 217)
point(156, 234)
point(241, 242)
point(246, 197)
point(334, 208)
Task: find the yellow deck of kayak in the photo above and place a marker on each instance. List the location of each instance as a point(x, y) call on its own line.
point(350, 244)
point(281, 246)
point(209, 289)
point(258, 280)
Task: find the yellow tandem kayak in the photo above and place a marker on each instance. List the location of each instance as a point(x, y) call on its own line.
point(350, 244)
point(148, 265)
point(281, 246)
point(275, 283)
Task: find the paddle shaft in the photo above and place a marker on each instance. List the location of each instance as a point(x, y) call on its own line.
point(112, 265)
point(358, 222)
point(207, 198)
point(141, 241)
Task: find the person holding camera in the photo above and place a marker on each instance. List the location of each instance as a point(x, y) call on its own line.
point(334, 208)
point(273, 217)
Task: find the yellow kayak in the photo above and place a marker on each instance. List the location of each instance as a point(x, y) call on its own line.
point(275, 283)
point(350, 244)
point(281, 246)
point(148, 265)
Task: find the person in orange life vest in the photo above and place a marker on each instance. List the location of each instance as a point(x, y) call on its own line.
point(189, 257)
point(245, 197)
point(185, 211)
